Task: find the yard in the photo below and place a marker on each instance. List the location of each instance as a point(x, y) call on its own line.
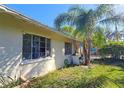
point(103, 75)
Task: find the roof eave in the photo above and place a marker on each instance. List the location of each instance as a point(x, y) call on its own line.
point(3, 8)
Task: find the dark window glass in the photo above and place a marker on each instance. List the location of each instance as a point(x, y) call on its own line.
point(42, 44)
point(48, 47)
point(27, 37)
point(35, 46)
point(42, 54)
point(26, 46)
point(35, 55)
point(26, 56)
point(42, 47)
point(35, 38)
point(42, 39)
point(68, 48)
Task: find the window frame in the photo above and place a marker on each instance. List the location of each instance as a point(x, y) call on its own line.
point(70, 51)
point(32, 45)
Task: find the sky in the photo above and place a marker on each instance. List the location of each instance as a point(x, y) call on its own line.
point(44, 13)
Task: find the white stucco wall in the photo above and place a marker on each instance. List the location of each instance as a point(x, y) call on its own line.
point(58, 52)
point(41, 68)
point(10, 51)
point(11, 56)
point(38, 68)
point(11, 31)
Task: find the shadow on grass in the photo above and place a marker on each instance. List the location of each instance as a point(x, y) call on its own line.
point(120, 82)
point(98, 82)
point(101, 81)
point(110, 61)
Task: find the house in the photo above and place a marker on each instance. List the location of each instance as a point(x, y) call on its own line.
point(28, 48)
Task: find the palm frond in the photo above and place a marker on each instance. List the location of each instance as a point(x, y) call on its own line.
point(104, 10)
point(113, 19)
point(61, 19)
point(77, 9)
point(74, 8)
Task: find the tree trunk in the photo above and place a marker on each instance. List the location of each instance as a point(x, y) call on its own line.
point(86, 51)
point(89, 50)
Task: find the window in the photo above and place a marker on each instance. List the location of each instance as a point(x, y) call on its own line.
point(35, 47)
point(27, 46)
point(68, 48)
point(42, 47)
point(48, 49)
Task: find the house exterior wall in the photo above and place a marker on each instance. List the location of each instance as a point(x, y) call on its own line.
point(42, 67)
point(10, 51)
point(11, 37)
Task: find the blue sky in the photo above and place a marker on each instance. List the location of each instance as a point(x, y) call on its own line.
point(44, 13)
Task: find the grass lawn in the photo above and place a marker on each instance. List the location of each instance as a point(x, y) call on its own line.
point(99, 75)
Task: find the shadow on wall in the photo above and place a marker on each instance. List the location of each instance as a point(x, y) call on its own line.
point(37, 69)
point(11, 58)
point(43, 67)
point(9, 63)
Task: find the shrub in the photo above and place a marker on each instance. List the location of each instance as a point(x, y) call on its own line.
point(115, 43)
point(66, 63)
point(113, 50)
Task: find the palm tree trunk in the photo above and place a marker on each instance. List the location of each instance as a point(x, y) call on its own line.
point(86, 52)
point(89, 50)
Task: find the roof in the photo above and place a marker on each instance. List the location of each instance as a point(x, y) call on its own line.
point(4, 8)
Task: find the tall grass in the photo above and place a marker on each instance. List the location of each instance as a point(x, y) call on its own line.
point(100, 76)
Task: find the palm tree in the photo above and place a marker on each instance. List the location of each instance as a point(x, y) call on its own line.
point(115, 20)
point(85, 23)
point(99, 37)
point(71, 31)
point(68, 30)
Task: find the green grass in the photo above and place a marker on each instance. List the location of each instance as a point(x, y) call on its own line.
point(102, 76)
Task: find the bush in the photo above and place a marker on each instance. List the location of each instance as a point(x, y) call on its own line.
point(113, 50)
point(115, 43)
point(66, 63)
